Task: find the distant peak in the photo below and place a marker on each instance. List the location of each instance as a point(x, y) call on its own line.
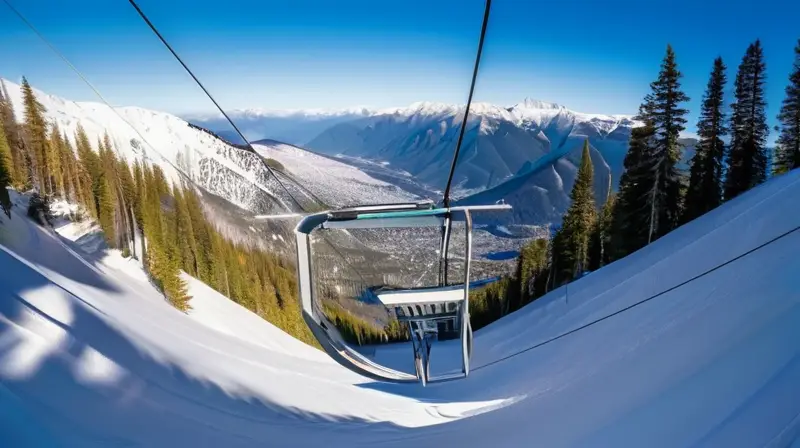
point(530, 103)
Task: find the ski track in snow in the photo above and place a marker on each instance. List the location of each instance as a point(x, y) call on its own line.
point(92, 355)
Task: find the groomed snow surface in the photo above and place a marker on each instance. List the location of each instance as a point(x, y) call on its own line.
point(91, 355)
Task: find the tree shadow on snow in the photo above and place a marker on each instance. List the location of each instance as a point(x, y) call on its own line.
point(81, 378)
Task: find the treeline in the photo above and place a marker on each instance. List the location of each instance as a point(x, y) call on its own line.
point(131, 202)
point(655, 196)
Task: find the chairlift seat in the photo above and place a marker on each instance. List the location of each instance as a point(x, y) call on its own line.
point(420, 308)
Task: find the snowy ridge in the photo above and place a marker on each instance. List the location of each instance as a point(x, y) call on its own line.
point(180, 150)
point(529, 110)
point(183, 152)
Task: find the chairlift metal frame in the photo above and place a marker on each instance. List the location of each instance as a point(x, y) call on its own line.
point(403, 215)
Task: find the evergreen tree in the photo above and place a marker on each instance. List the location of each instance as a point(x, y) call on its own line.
point(202, 236)
point(705, 179)
point(632, 215)
point(668, 120)
point(788, 144)
point(36, 136)
point(747, 159)
point(54, 151)
point(185, 235)
point(533, 270)
point(600, 244)
point(573, 243)
point(20, 168)
point(71, 181)
point(105, 208)
point(6, 164)
point(89, 168)
point(651, 190)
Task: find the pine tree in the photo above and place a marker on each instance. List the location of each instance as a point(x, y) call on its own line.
point(6, 164)
point(573, 247)
point(54, 151)
point(202, 236)
point(632, 215)
point(89, 168)
point(71, 181)
point(788, 144)
point(185, 234)
point(668, 120)
point(105, 208)
point(36, 134)
point(20, 168)
point(651, 187)
point(532, 272)
point(705, 179)
point(747, 159)
point(600, 244)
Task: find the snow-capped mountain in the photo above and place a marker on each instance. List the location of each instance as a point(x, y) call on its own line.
point(525, 153)
point(182, 151)
point(186, 152)
point(296, 127)
point(501, 145)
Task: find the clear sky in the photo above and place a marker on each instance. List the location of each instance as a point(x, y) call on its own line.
point(591, 56)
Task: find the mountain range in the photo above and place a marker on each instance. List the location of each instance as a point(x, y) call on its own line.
point(525, 154)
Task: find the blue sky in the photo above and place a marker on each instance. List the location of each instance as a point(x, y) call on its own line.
point(589, 56)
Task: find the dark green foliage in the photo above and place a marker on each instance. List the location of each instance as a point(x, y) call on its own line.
point(571, 249)
point(747, 159)
point(56, 170)
point(668, 120)
point(488, 303)
point(632, 214)
point(359, 331)
point(510, 293)
point(162, 260)
point(185, 235)
point(705, 178)
point(6, 170)
point(88, 172)
point(105, 207)
point(533, 268)
point(19, 163)
point(650, 192)
point(600, 243)
point(787, 155)
point(37, 144)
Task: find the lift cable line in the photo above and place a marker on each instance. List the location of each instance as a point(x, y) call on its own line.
point(241, 135)
point(85, 80)
point(488, 7)
point(640, 302)
point(208, 94)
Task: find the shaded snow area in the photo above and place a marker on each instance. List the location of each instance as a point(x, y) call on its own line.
point(335, 183)
point(93, 356)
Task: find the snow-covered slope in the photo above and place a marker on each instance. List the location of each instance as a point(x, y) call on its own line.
point(335, 183)
point(91, 356)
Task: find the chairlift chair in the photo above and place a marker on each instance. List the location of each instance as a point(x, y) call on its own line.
point(420, 308)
